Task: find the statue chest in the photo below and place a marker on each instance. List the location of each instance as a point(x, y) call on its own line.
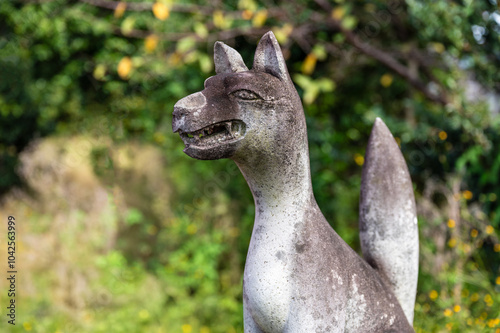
point(267, 282)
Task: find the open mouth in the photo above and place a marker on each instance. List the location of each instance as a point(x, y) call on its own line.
point(216, 134)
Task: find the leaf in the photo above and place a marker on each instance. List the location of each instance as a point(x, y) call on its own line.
point(319, 51)
point(259, 18)
point(218, 19)
point(201, 30)
point(326, 85)
point(127, 25)
point(386, 80)
point(124, 67)
point(120, 9)
point(283, 33)
point(349, 22)
point(247, 5)
point(338, 13)
point(185, 45)
point(160, 11)
point(438, 47)
point(246, 14)
point(309, 64)
point(151, 42)
point(205, 63)
point(99, 72)
point(133, 216)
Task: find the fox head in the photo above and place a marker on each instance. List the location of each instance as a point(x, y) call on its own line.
point(243, 113)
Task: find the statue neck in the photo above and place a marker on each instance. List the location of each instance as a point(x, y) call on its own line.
point(280, 180)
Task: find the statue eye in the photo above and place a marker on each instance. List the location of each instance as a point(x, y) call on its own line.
point(245, 94)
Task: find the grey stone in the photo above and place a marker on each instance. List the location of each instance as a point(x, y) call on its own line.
point(388, 216)
point(300, 276)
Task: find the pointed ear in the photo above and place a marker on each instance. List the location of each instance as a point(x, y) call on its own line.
point(227, 59)
point(269, 59)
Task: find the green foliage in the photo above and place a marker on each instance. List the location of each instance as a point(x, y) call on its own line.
point(167, 251)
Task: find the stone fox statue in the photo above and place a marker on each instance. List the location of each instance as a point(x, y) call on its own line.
point(300, 276)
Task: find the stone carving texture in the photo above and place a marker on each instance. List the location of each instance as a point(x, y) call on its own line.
point(300, 276)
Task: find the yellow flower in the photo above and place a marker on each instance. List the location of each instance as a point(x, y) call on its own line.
point(433, 294)
point(457, 308)
point(474, 233)
point(443, 135)
point(448, 312)
point(451, 223)
point(186, 328)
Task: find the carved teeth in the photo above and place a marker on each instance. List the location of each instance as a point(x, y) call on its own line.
point(215, 134)
point(228, 129)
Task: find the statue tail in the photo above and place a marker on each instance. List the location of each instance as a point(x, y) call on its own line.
point(388, 217)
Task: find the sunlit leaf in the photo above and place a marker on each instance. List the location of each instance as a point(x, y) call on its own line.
point(99, 72)
point(349, 22)
point(247, 5)
point(218, 19)
point(309, 64)
point(124, 67)
point(205, 63)
point(160, 11)
point(246, 14)
point(438, 47)
point(338, 13)
point(386, 80)
point(185, 44)
point(151, 42)
point(200, 29)
point(128, 25)
point(259, 18)
point(120, 9)
point(283, 33)
point(319, 51)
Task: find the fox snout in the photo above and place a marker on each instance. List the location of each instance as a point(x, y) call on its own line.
point(192, 104)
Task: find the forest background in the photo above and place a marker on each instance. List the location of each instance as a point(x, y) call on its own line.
point(119, 231)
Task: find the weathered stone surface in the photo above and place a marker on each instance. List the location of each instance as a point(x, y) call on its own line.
point(300, 276)
point(388, 216)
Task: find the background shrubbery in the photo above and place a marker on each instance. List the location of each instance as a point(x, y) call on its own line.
point(121, 232)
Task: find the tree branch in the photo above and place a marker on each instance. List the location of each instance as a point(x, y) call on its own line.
point(135, 6)
point(377, 54)
point(147, 6)
point(386, 59)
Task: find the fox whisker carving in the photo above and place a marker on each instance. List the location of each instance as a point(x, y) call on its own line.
point(300, 276)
